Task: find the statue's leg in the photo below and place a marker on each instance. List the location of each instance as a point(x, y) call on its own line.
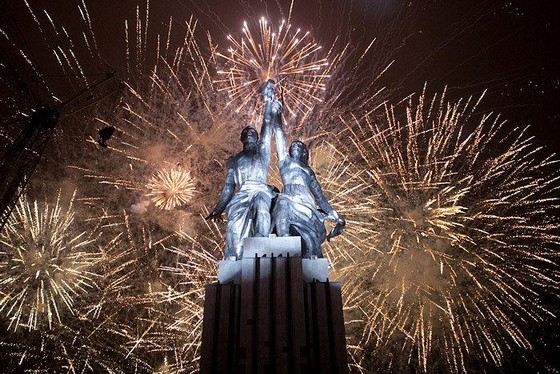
point(281, 218)
point(317, 238)
point(262, 205)
point(312, 235)
point(306, 244)
point(233, 242)
point(316, 248)
point(282, 227)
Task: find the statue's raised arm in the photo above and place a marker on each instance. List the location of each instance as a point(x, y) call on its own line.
point(279, 134)
point(266, 128)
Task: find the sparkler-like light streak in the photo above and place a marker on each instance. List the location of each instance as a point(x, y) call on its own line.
point(171, 188)
point(437, 257)
point(85, 345)
point(45, 264)
point(162, 281)
point(168, 188)
point(114, 324)
point(287, 55)
point(170, 123)
point(177, 330)
point(465, 240)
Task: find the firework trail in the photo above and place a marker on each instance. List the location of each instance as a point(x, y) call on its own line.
point(170, 129)
point(54, 271)
point(438, 256)
point(45, 264)
point(146, 309)
point(316, 84)
point(83, 346)
point(145, 313)
point(465, 239)
point(176, 331)
point(145, 306)
point(288, 56)
point(172, 116)
point(160, 280)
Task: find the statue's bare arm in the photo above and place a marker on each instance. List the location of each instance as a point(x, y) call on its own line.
point(320, 197)
point(227, 192)
point(266, 130)
point(279, 135)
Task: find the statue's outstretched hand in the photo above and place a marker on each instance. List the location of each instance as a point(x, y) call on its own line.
point(215, 216)
point(333, 216)
point(268, 90)
point(338, 228)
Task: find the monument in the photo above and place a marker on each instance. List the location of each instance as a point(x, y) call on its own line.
point(273, 308)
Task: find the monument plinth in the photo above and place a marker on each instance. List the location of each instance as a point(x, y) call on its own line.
point(273, 311)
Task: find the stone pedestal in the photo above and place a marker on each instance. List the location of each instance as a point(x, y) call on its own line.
point(314, 269)
point(285, 246)
point(273, 312)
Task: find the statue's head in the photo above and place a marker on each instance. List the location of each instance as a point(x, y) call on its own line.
point(249, 137)
point(298, 151)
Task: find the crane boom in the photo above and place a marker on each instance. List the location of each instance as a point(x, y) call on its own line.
point(24, 154)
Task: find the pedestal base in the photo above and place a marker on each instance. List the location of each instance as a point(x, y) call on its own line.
point(272, 312)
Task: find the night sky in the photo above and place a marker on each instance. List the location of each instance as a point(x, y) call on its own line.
point(511, 49)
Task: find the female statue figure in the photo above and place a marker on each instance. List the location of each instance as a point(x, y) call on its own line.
point(295, 211)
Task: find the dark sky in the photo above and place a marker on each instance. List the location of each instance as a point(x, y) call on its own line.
point(510, 48)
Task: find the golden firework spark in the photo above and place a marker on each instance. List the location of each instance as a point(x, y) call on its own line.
point(169, 115)
point(45, 264)
point(171, 188)
point(163, 282)
point(85, 345)
point(286, 54)
point(178, 331)
point(462, 247)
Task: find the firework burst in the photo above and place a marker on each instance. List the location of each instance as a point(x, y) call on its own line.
point(169, 125)
point(160, 280)
point(464, 238)
point(45, 264)
point(287, 55)
point(171, 188)
point(85, 345)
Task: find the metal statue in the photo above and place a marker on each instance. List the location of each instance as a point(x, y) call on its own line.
point(246, 197)
point(295, 211)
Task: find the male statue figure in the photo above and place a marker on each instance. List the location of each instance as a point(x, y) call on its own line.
point(248, 208)
point(295, 211)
